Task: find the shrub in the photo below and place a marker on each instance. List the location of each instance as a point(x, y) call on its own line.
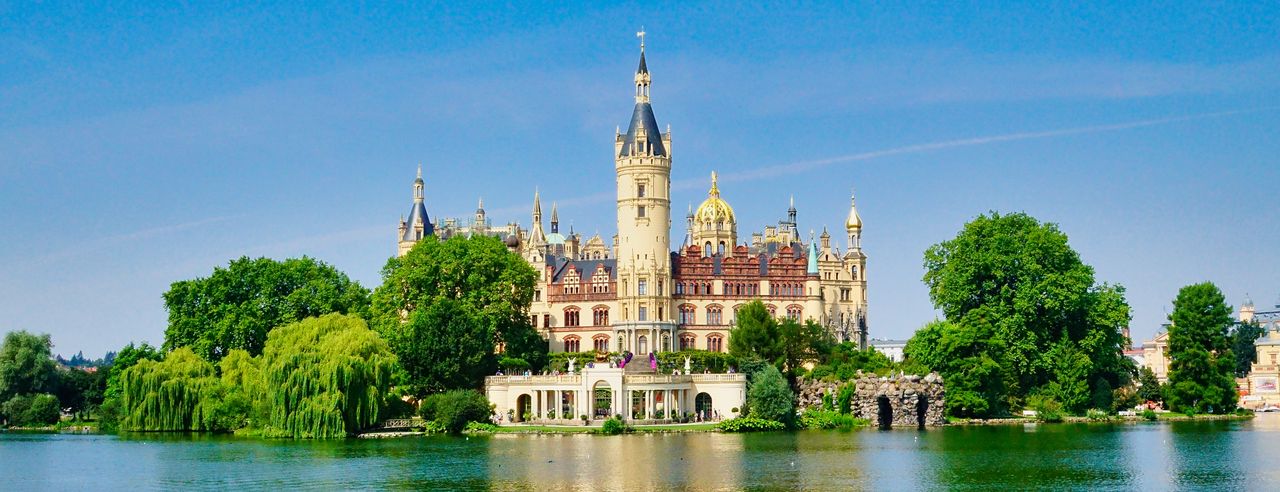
point(32, 410)
point(1047, 409)
point(454, 409)
point(821, 372)
point(750, 424)
point(829, 419)
point(613, 426)
point(1095, 415)
point(828, 403)
point(844, 398)
point(480, 427)
point(1149, 414)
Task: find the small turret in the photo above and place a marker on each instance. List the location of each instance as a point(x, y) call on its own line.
point(853, 225)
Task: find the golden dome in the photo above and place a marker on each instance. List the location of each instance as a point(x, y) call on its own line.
point(854, 221)
point(714, 210)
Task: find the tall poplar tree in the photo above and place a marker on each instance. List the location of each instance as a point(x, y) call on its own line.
point(1201, 370)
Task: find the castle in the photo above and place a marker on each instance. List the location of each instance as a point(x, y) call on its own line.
point(640, 295)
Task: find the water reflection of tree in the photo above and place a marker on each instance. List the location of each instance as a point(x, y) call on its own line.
point(1204, 455)
point(1055, 456)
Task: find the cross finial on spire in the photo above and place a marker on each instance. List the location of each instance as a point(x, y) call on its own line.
point(419, 170)
point(640, 34)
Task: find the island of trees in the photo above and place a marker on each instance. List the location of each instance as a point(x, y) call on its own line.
point(295, 348)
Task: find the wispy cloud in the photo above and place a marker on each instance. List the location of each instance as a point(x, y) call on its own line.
point(95, 245)
point(808, 165)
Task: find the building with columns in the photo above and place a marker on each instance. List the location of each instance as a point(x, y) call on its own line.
point(645, 293)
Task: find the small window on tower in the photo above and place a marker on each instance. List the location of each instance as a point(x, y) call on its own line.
point(640, 191)
point(640, 211)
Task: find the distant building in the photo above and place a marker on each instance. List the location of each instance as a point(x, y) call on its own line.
point(1155, 354)
point(893, 349)
point(1264, 375)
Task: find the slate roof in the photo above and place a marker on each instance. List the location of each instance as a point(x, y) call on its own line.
point(418, 212)
point(587, 267)
point(642, 117)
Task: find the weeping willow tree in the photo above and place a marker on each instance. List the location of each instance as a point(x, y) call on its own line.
point(328, 377)
point(179, 393)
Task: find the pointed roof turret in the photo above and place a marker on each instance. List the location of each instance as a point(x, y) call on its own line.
point(813, 255)
point(418, 217)
point(537, 207)
point(644, 136)
point(854, 221)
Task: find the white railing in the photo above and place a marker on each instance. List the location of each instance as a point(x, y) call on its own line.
point(535, 379)
point(656, 379)
point(719, 378)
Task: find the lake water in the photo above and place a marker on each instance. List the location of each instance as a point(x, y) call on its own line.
point(1235, 455)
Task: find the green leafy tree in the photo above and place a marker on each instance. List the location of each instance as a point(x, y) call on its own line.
point(169, 395)
point(1069, 385)
point(770, 397)
point(756, 334)
point(1150, 389)
point(454, 409)
point(1029, 291)
point(31, 410)
point(1202, 367)
point(962, 354)
point(235, 307)
point(326, 377)
point(109, 413)
point(77, 390)
point(473, 287)
point(26, 364)
point(1243, 338)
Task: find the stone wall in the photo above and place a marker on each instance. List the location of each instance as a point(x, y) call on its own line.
point(911, 400)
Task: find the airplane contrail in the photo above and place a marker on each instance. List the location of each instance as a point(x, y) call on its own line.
point(798, 166)
point(770, 171)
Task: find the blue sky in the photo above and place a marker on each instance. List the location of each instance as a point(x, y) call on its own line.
point(144, 144)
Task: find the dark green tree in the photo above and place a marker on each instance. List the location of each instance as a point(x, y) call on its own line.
point(26, 364)
point(1023, 282)
point(961, 353)
point(1070, 385)
point(475, 285)
point(756, 334)
point(1243, 338)
point(1201, 367)
point(1149, 389)
point(770, 397)
point(445, 346)
point(235, 307)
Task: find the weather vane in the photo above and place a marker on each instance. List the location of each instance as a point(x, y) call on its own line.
point(640, 34)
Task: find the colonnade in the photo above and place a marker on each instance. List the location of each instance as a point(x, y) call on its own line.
point(568, 405)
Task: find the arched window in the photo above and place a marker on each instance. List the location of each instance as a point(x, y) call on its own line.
point(854, 272)
point(688, 341)
point(773, 310)
point(687, 314)
point(571, 343)
point(600, 316)
point(794, 312)
point(706, 249)
point(571, 316)
point(715, 342)
point(713, 315)
point(600, 343)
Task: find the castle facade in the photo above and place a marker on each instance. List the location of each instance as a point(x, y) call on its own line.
point(643, 293)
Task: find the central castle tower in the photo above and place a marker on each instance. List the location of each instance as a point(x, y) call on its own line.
point(642, 159)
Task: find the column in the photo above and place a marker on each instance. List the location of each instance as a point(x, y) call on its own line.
point(558, 406)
